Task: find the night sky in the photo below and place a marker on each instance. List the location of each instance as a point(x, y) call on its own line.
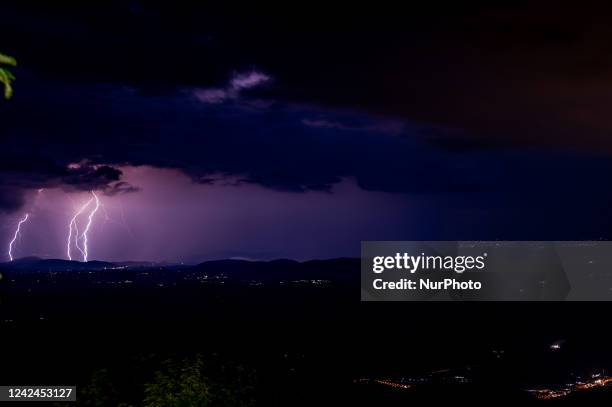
point(296, 133)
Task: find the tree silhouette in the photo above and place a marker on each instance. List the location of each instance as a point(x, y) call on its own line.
point(195, 381)
point(6, 77)
point(199, 383)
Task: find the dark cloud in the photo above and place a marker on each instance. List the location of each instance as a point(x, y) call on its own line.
point(178, 87)
point(522, 74)
point(119, 188)
point(21, 172)
point(103, 127)
point(88, 177)
point(82, 133)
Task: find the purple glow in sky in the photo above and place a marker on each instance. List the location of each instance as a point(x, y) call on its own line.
point(174, 219)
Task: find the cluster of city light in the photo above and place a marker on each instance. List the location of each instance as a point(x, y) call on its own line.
point(596, 381)
point(550, 394)
point(447, 376)
point(392, 384)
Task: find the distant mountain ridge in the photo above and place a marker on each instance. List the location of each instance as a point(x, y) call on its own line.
point(39, 264)
point(281, 269)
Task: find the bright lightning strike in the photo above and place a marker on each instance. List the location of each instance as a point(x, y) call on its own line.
point(17, 231)
point(91, 215)
point(74, 226)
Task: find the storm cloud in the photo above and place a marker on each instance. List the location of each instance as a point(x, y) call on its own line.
point(400, 103)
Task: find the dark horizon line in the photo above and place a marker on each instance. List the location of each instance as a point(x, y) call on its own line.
point(168, 263)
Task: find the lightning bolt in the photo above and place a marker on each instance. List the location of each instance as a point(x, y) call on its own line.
point(73, 225)
point(90, 219)
point(17, 231)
